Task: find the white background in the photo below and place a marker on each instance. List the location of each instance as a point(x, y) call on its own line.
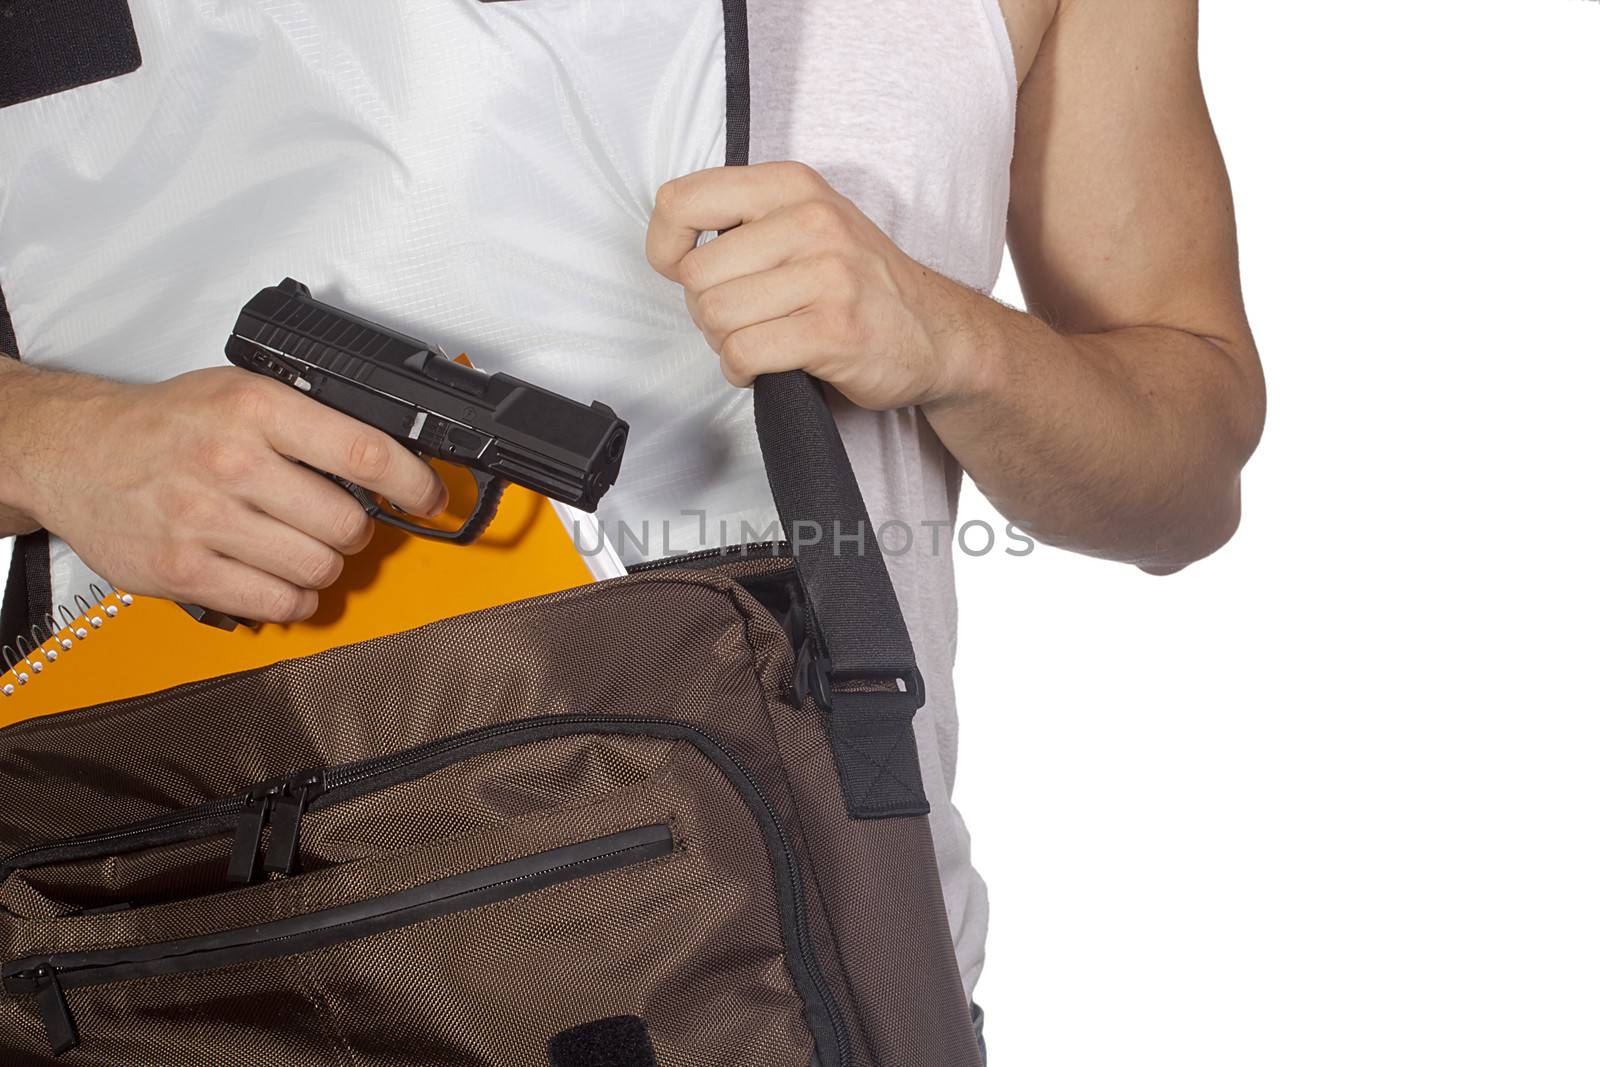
point(1331, 796)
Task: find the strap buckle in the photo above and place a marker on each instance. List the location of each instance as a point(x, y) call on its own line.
point(815, 676)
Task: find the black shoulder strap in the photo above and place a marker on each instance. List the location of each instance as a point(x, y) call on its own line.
point(27, 590)
point(865, 672)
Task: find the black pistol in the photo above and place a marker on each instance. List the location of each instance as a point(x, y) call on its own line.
point(504, 430)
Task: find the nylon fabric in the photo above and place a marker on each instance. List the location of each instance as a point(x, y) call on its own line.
point(31, 601)
point(491, 984)
point(8, 334)
point(51, 46)
point(456, 800)
point(850, 594)
point(694, 647)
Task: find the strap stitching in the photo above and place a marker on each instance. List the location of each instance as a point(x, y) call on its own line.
point(883, 767)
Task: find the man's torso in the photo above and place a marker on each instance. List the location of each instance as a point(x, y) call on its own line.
point(482, 175)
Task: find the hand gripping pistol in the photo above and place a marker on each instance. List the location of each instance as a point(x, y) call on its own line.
point(504, 430)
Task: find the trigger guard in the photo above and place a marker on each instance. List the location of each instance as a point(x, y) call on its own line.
point(490, 490)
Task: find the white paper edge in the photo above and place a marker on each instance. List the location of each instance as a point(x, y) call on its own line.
point(604, 563)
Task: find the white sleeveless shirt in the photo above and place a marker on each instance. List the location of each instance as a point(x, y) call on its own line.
point(481, 175)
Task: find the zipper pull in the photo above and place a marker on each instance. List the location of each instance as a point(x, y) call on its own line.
point(242, 868)
point(59, 1026)
point(286, 816)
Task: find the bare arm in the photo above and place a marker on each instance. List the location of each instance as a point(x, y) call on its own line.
point(14, 383)
point(1116, 418)
point(189, 488)
point(1133, 396)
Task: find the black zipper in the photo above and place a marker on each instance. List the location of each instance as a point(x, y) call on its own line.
point(249, 812)
point(772, 549)
point(46, 978)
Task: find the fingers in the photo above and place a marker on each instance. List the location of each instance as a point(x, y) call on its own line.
point(718, 199)
point(770, 347)
point(314, 505)
point(277, 549)
point(338, 444)
point(744, 301)
point(765, 244)
point(237, 589)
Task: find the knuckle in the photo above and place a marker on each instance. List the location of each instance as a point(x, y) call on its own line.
point(191, 510)
point(350, 529)
point(714, 311)
point(692, 272)
point(368, 459)
point(656, 255)
point(652, 256)
point(180, 568)
point(247, 399)
point(278, 605)
point(798, 174)
point(669, 196)
point(820, 218)
point(736, 357)
point(321, 569)
point(223, 459)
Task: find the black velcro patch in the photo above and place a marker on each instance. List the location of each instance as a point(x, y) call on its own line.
point(620, 1042)
point(49, 46)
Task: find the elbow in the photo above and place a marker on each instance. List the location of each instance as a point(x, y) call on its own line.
point(1201, 536)
point(1210, 521)
point(1159, 537)
point(1186, 504)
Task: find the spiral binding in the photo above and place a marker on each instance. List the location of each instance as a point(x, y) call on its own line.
point(32, 653)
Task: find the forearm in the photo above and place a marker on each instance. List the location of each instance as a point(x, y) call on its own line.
point(33, 408)
point(1125, 445)
point(14, 382)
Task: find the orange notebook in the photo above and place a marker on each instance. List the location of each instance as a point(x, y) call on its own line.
point(120, 646)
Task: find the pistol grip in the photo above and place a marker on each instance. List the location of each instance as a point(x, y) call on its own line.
point(490, 489)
